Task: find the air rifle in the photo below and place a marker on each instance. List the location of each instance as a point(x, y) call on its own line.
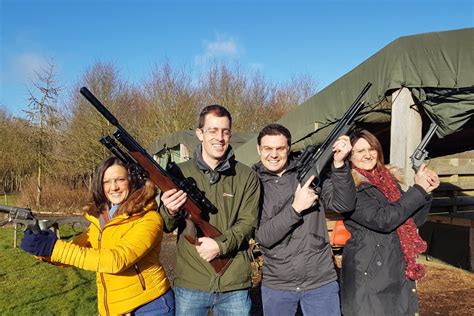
point(135, 155)
point(25, 218)
point(420, 153)
point(22, 216)
point(313, 159)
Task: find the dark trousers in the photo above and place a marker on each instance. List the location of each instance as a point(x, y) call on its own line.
point(321, 301)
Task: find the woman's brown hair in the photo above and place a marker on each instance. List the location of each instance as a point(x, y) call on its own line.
point(98, 194)
point(373, 142)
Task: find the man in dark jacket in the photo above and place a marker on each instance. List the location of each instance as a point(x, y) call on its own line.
point(298, 266)
point(234, 190)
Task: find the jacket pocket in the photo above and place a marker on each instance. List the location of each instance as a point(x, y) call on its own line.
point(375, 263)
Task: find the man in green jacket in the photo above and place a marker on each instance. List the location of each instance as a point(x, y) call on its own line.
point(234, 190)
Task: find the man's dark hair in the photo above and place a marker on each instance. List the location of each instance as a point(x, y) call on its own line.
point(274, 129)
point(217, 110)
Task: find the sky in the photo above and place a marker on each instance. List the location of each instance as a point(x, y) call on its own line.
point(281, 38)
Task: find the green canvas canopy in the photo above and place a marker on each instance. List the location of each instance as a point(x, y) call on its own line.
point(189, 139)
point(437, 67)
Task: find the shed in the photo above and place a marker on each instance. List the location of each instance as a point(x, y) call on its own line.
point(416, 80)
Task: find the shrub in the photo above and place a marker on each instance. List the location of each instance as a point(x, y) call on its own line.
point(56, 196)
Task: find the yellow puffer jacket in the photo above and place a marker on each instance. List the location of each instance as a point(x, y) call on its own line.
point(124, 253)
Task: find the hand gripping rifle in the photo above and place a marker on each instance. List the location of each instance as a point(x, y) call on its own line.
point(313, 159)
point(420, 153)
point(146, 167)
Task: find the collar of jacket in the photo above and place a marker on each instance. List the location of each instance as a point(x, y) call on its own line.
point(213, 175)
point(122, 218)
point(266, 175)
point(361, 182)
point(135, 203)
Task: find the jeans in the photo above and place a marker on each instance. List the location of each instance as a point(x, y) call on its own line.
point(191, 302)
point(163, 305)
point(321, 301)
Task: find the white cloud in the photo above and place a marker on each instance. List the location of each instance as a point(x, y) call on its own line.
point(25, 65)
point(221, 48)
point(21, 68)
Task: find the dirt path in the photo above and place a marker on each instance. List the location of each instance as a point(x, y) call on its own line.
point(446, 291)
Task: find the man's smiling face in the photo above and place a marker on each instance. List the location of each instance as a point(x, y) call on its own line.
point(273, 151)
point(214, 136)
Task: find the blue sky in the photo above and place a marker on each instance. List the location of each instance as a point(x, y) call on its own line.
point(323, 39)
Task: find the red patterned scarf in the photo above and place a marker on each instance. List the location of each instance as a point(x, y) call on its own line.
point(410, 241)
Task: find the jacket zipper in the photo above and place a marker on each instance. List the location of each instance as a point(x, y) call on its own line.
point(103, 281)
point(140, 276)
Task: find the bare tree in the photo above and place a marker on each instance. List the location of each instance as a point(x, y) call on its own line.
point(43, 115)
point(86, 125)
point(172, 100)
point(226, 86)
point(253, 100)
point(16, 154)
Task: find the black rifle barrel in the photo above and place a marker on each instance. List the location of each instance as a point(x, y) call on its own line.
point(99, 106)
point(19, 212)
point(428, 136)
point(420, 154)
point(314, 159)
point(348, 115)
point(131, 144)
point(111, 145)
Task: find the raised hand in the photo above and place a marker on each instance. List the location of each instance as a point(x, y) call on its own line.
point(341, 149)
point(426, 178)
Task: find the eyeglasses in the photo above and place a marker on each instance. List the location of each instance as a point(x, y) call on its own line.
point(117, 181)
point(280, 150)
point(214, 131)
point(362, 152)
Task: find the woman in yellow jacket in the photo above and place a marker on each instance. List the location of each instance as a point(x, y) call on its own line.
point(122, 244)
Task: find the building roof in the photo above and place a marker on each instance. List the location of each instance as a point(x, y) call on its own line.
point(437, 67)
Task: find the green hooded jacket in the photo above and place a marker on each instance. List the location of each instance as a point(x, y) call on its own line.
point(236, 196)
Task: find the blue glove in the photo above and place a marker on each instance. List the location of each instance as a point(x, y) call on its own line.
point(40, 244)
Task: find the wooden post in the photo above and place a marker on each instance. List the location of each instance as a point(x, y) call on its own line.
point(15, 229)
point(405, 133)
point(471, 248)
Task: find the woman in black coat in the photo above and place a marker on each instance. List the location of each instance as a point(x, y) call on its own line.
point(379, 266)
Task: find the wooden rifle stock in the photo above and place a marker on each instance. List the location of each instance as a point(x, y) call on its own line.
point(195, 201)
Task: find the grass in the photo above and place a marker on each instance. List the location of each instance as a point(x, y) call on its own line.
point(31, 287)
point(9, 199)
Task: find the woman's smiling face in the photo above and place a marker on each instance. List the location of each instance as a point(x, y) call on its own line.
point(116, 184)
point(363, 155)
